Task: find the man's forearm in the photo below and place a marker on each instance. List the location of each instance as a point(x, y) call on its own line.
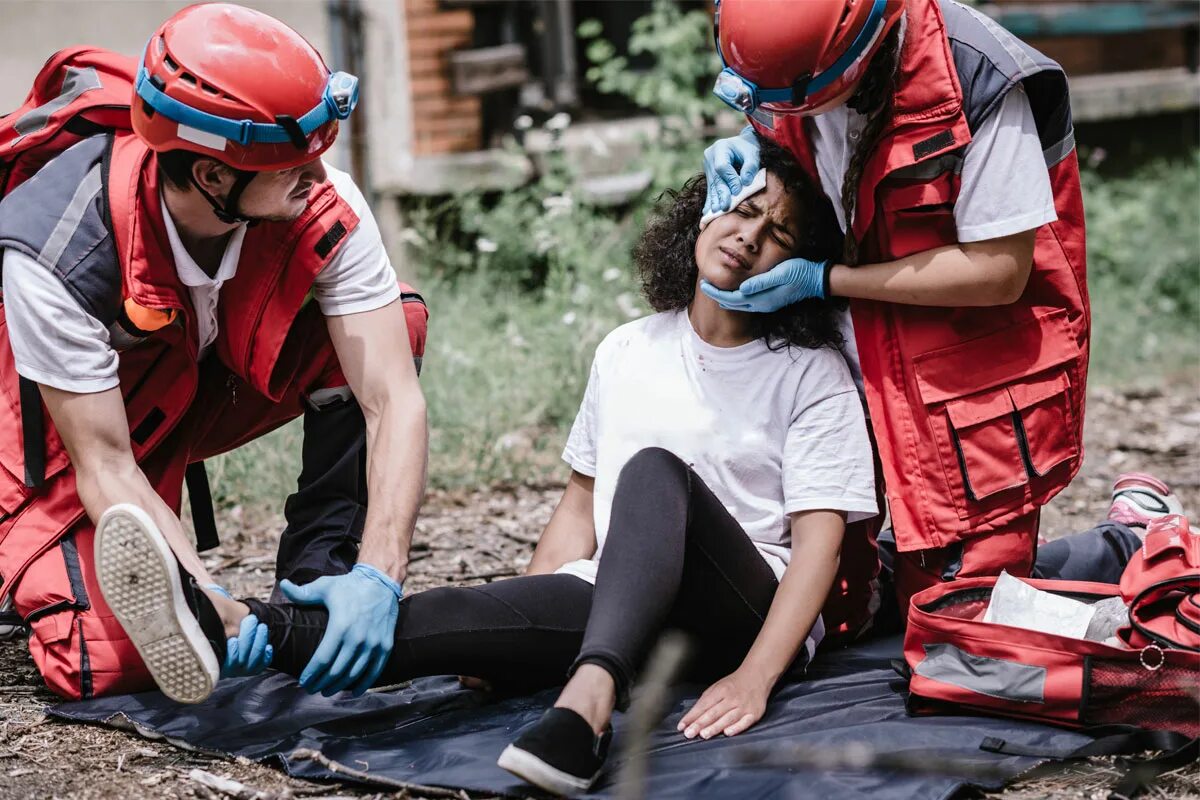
point(121, 480)
point(397, 458)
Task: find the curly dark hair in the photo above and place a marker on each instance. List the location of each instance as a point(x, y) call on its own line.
point(665, 254)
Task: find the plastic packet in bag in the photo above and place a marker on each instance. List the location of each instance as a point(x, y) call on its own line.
point(1020, 605)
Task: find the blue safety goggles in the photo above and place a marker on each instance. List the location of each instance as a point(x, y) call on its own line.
point(337, 102)
point(744, 95)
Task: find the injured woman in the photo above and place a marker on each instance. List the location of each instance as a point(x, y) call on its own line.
point(716, 459)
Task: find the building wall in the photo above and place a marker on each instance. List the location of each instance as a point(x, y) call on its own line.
point(442, 121)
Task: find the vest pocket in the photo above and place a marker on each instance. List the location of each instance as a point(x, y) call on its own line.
point(918, 216)
point(984, 434)
point(1000, 414)
point(1045, 422)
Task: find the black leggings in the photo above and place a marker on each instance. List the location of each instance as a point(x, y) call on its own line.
point(674, 558)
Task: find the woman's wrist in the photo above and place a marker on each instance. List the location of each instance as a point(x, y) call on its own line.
point(760, 671)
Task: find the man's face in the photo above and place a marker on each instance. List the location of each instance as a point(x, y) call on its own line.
point(755, 236)
point(281, 196)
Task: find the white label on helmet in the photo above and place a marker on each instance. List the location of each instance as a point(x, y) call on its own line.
point(203, 138)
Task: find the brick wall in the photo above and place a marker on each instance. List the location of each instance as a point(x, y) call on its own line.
point(442, 121)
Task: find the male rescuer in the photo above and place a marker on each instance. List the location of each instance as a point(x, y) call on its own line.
point(174, 290)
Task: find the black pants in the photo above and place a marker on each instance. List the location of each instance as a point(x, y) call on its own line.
point(674, 557)
point(325, 515)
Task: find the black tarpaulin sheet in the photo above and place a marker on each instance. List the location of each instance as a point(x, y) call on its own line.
point(436, 733)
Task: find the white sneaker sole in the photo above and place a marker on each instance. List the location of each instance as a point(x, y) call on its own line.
point(141, 584)
point(531, 769)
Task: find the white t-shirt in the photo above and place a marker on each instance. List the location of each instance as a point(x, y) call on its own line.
point(770, 432)
point(57, 343)
point(1005, 186)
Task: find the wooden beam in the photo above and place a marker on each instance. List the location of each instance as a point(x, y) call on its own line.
point(1079, 18)
point(1119, 95)
point(487, 69)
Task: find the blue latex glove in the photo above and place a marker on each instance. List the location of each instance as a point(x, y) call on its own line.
point(786, 283)
point(248, 653)
point(729, 164)
point(363, 605)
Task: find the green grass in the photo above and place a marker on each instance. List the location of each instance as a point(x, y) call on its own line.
point(515, 320)
point(1144, 272)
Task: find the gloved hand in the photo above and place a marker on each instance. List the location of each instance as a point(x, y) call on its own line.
point(729, 164)
point(363, 605)
point(786, 283)
point(248, 653)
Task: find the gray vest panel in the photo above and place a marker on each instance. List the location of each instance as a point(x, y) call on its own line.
point(990, 61)
point(59, 217)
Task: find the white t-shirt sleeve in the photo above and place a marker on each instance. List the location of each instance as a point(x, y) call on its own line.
point(55, 342)
point(1005, 185)
point(580, 451)
point(359, 277)
point(827, 458)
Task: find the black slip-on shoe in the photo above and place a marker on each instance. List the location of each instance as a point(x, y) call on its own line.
point(141, 583)
point(559, 753)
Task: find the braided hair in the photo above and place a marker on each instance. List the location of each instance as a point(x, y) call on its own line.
point(872, 99)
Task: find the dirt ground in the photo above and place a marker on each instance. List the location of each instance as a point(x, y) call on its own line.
point(467, 537)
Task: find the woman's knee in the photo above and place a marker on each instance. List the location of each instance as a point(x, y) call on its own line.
point(654, 467)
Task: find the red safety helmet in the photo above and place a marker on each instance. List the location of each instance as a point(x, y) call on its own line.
point(239, 86)
point(791, 57)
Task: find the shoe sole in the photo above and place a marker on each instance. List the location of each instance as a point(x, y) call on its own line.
point(140, 582)
point(531, 769)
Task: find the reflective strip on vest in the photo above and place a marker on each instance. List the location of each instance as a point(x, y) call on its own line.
point(994, 677)
point(65, 229)
point(76, 83)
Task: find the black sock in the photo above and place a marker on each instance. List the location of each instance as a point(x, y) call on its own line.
point(205, 613)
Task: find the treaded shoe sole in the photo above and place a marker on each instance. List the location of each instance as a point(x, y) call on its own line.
point(141, 584)
point(531, 769)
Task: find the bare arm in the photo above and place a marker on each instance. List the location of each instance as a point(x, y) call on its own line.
point(737, 701)
point(377, 362)
point(988, 273)
point(571, 532)
point(95, 430)
point(816, 551)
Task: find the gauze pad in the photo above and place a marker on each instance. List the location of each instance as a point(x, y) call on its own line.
point(756, 185)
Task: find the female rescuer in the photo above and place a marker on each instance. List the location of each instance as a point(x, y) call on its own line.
point(947, 148)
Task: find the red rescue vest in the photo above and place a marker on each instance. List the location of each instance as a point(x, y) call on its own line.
point(978, 412)
point(159, 375)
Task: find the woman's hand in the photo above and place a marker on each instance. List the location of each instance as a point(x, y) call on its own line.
point(729, 706)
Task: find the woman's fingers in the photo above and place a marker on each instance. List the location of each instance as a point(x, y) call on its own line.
point(714, 712)
point(721, 723)
point(705, 702)
point(742, 724)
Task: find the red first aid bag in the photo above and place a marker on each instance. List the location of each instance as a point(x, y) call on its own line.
point(1161, 586)
point(1142, 696)
point(957, 661)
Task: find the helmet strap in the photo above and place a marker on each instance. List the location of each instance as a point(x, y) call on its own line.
point(227, 212)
